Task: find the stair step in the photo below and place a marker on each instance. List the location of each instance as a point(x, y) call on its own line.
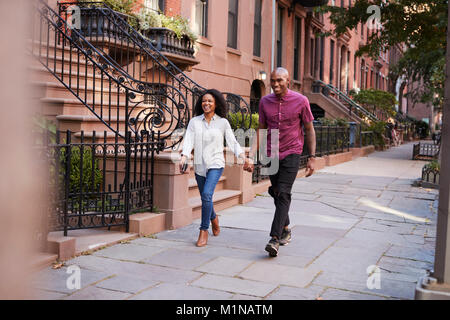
point(42, 260)
point(193, 188)
point(222, 200)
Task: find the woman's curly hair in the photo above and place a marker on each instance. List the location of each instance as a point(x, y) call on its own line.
point(221, 104)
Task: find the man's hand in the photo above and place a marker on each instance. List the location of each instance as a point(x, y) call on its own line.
point(310, 167)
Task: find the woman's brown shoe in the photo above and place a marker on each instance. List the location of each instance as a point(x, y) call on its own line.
point(202, 238)
point(215, 226)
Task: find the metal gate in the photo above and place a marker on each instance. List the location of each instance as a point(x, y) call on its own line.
point(98, 181)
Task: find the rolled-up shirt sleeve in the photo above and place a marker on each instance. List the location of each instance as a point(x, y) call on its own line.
point(231, 140)
point(188, 140)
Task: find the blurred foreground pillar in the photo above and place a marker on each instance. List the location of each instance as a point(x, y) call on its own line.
point(21, 192)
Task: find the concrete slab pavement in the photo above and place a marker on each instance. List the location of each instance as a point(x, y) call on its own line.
point(360, 231)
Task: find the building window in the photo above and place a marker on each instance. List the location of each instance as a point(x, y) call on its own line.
point(331, 61)
point(155, 5)
point(297, 42)
point(322, 57)
point(232, 23)
point(280, 38)
point(201, 17)
point(257, 29)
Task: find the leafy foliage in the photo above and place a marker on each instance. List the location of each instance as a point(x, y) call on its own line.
point(146, 19)
point(376, 99)
point(178, 24)
point(417, 27)
point(235, 120)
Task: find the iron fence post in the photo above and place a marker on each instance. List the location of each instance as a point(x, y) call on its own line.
point(67, 179)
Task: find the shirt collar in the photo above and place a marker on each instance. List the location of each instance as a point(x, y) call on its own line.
point(213, 118)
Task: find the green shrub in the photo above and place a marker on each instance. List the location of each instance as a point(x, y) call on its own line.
point(76, 168)
point(378, 128)
point(235, 120)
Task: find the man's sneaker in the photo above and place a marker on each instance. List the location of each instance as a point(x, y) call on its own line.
point(272, 247)
point(285, 237)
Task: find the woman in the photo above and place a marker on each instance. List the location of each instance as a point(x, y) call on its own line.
point(205, 135)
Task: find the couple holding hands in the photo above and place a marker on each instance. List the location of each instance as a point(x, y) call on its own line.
point(284, 110)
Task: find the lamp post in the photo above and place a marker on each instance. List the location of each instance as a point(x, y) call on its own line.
point(437, 285)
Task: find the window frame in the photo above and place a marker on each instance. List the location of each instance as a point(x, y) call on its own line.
point(233, 42)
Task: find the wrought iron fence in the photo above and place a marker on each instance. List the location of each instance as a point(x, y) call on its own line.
point(97, 182)
point(329, 140)
point(425, 151)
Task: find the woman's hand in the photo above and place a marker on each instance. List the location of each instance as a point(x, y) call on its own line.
point(248, 165)
point(183, 162)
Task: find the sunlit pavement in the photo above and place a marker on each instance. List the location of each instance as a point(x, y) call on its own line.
point(360, 230)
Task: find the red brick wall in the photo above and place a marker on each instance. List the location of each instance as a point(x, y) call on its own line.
point(173, 8)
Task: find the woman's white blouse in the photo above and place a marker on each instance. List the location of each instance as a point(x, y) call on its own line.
point(207, 142)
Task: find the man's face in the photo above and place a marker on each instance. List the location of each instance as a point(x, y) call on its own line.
point(279, 82)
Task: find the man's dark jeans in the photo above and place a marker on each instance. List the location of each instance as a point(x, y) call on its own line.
point(280, 190)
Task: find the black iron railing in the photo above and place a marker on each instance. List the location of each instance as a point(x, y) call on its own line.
point(139, 57)
point(119, 101)
point(329, 140)
point(353, 108)
point(97, 182)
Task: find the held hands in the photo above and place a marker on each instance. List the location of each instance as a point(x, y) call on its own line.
point(248, 165)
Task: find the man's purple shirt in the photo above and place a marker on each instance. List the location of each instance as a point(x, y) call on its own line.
point(287, 115)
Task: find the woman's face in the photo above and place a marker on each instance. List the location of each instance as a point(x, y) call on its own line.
point(208, 103)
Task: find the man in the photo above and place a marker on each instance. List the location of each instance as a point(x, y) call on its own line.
point(286, 111)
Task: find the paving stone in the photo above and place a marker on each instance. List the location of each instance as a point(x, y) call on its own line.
point(289, 293)
point(47, 295)
point(418, 254)
point(322, 220)
point(235, 285)
point(280, 275)
point(130, 252)
point(377, 237)
point(56, 279)
point(304, 196)
point(351, 260)
point(416, 207)
point(318, 232)
point(305, 246)
point(137, 270)
point(126, 284)
point(336, 294)
point(240, 238)
point(225, 266)
point(406, 266)
point(176, 258)
point(244, 297)
point(94, 293)
point(170, 291)
point(249, 221)
point(388, 288)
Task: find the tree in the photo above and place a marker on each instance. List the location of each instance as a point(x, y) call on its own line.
point(376, 100)
point(416, 26)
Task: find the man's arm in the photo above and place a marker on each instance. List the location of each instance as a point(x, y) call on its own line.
point(311, 144)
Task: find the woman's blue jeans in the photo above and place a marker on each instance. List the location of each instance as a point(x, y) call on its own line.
point(206, 186)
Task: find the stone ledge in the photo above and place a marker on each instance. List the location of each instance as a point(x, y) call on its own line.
point(147, 223)
point(334, 159)
point(362, 152)
point(64, 247)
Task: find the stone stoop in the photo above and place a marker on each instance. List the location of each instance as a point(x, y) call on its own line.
point(222, 200)
point(42, 260)
point(83, 241)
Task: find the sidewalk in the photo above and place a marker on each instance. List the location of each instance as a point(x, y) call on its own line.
point(344, 220)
